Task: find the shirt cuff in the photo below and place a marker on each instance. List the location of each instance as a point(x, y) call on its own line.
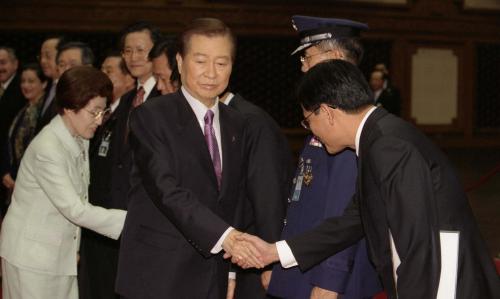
point(232, 275)
point(218, 246)
point(285, 254)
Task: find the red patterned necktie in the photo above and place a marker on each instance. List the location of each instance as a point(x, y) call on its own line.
point(213, 148)
point(139, 97)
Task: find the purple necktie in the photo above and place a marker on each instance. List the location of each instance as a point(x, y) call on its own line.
point(213, 148)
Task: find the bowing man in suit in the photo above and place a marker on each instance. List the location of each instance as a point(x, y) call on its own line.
point(186, 179)
point(41, 232)
point(268, 174)
point(420, 230)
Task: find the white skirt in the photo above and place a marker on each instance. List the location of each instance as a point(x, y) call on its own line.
point(20, 283)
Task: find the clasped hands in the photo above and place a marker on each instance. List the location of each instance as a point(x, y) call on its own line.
point(248, 251)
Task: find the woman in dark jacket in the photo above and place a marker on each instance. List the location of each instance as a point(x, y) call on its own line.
point(22, 129)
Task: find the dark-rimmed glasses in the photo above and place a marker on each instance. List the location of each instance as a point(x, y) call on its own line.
point(305, 122)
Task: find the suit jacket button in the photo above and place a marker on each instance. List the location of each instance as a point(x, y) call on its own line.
point(120, 166)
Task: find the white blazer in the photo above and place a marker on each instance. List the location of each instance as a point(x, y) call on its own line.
point(41, 231)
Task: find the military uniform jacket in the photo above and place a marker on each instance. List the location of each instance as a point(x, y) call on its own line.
point(408, 187)
point(323, 187)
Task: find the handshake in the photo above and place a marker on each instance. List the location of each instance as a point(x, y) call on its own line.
point(248, 251)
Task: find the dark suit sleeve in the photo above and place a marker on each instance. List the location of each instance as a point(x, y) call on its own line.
point(406, 187)
point(335, 272)
point(5, 164)
point(330, 237)
point(154, 155)
point(266, 176)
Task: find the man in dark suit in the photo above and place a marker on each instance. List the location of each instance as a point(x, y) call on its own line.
point(385, 96)
point(48, 62)
point(187, 178)
point(69, 54)
point(111, 162)
point(268, 176)
point(11, 101)
point(419, 227)
point(165, 66)
point(98, 254)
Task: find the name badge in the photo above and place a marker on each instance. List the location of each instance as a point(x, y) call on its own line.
point(104, 146)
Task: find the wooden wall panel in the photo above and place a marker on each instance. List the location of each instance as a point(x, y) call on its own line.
point(395, 29)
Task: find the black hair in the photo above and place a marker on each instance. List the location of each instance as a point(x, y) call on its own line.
point(167, 47)
point(118, 54)
point(37, 69)
point(336, 83)
point(87, 54)
point(207, 27)
point(154, 32)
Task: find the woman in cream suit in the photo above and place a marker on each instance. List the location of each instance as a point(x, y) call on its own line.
point(41, 232)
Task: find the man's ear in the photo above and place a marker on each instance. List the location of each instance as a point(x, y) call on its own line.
point(329, 112)
point(336, 54)
point(178, 57)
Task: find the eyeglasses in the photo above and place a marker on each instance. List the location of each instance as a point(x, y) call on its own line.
point(45, 56)
point(141, 52)
point(305, 122)
point(99, 114)
point(306, 58)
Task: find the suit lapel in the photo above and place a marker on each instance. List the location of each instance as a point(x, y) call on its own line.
point(228, 140)
point(194, 136)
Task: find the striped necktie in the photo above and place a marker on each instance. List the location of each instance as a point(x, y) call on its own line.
point(139, 97)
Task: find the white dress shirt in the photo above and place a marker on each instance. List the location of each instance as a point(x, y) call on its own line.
point(6, 83)
point(287, 259)
point(148, 86)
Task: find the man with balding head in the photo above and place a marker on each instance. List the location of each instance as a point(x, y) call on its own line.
point(48, 62)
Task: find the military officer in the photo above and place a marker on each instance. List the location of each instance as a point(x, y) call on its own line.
point(323, 183)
